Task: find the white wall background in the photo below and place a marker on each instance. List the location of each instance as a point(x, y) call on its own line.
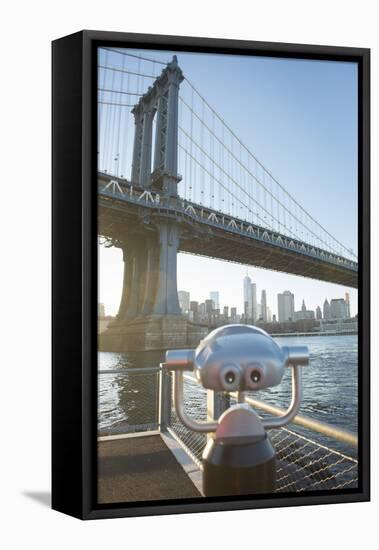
point(27, 29)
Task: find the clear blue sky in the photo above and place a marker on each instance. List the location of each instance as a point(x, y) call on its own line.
point(300, 119)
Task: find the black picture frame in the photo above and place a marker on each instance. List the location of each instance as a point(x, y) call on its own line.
point(74, 271)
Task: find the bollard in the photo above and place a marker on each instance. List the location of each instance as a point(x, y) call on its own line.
point(239, 457)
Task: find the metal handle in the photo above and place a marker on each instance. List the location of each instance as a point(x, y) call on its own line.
point(202, 427)
point(292, 411)
point(296, 356)
point(179, 359)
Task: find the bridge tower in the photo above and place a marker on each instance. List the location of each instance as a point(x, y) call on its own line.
point(149, 315)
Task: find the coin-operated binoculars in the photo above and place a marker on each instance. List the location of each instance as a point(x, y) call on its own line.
point(239, 457)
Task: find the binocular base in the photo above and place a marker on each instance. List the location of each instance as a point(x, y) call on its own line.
point(239, 466)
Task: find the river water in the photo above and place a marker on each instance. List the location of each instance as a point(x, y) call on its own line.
point(330, 385)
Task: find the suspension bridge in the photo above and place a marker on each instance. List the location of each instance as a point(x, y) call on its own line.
point(174, 177)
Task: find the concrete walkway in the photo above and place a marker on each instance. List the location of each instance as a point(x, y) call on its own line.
point(135, 469)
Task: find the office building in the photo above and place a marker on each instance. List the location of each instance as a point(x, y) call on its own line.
point(215, 297)
point(264, 306)
point(209, 307)
point(184, 300)
point(286, 306)
point(247, 298)
point(253, 302)
point(304, 313)
point(326, 310)
point(347, 302)
point(269, 315)
point(338, 309)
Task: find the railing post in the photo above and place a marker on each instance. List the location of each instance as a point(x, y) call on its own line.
point(165, 399)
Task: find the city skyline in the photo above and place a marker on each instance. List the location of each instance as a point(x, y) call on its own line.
point(222, 306)
point(230, 292)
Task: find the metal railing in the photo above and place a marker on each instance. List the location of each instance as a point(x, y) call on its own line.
point(303, 464)
point(136, 393)
point(145, 403)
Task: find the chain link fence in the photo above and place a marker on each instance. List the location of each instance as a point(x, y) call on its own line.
point(145, 402)
point(303, 464)
point(128, 400)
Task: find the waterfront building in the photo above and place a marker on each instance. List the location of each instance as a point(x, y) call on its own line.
point(259, 313)
point(215, 297)
point(184, 300)
point(286, 306)
point(326, 310)
point(318, 313)
point(347, 302)
point(226, 312)
point(202, 310)
point(194, 306)
point(233, 314)
point(346, 326)
point(247, 298)
point(269, 315)
point(338, 309)
point(304, 313)
point(253, 302)
point(208, 307)
point(264, 306)
point(194, 311)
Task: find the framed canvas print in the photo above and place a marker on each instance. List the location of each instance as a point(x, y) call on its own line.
point(210, 274)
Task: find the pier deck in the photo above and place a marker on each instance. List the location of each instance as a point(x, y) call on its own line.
point(136, 469)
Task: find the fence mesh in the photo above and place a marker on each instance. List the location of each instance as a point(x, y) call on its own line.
point(128, 401)
point(302, 463)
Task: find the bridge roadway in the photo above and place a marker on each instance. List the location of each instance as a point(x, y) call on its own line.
point(124, 207)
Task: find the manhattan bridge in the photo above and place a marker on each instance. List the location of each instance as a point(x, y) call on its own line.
point(174, 177)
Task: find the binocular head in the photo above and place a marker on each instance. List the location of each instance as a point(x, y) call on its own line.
point(239, 358)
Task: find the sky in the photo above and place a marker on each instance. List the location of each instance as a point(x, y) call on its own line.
point(299, 118)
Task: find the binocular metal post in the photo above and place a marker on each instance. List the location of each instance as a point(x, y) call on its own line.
point(239, 457)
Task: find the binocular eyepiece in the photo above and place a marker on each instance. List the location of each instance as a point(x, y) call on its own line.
point(238, 358)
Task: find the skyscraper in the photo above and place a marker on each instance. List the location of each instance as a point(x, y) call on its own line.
point(215, 296)
point(338, 308)
point(318, 313)
point(253, 302)
point(247, 298)
point(209, 306)
point(233, 313)
point(286, 306)
point(326, 310)
point(347, 302)
point(264, 306)
point(194, 306)
point(269, 315)
point(184, 300)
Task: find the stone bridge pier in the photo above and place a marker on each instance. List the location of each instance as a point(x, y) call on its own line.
point(149, 316)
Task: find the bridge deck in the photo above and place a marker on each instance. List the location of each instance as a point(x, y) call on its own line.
point(216, 237)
